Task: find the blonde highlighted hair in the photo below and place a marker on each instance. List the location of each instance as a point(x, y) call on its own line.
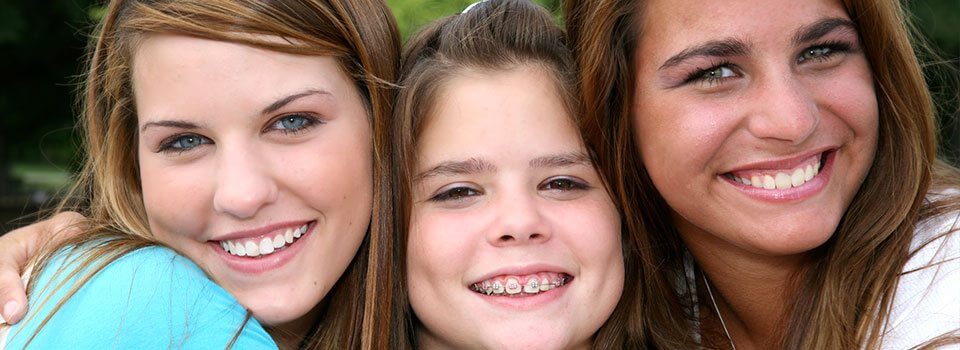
point(359, 311)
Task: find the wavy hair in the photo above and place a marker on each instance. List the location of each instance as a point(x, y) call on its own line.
point(844, 295)
point(359, 311)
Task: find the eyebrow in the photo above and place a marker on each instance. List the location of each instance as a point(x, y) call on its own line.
point(469, 166)
point(735, 47)
point(179, 124)
point(561, 160)
point(715, 48)
point(273, 107)
point(821, 28)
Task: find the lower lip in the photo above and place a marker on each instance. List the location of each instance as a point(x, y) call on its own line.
point(529, 302)
point(807, 190)
point(257, 265)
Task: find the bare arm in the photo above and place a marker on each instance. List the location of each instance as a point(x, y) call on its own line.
point(16, 248)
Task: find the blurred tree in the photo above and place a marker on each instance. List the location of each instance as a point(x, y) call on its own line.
point(40, 43)
point(412, 14)
point(939, 23)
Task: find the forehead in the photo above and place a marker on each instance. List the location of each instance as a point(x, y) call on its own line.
point(171, 73)
point(492, 112)
point(674, 24)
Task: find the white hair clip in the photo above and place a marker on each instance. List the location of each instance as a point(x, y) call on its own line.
point(472, 6)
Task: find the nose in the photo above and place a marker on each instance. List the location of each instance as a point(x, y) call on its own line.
point(520, 222)
point(244, 183)
point(783, 109)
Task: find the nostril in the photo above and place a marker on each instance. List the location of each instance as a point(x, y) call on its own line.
point(536, 236)
point(506, 238)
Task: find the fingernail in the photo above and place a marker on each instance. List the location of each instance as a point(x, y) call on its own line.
point(8, 310)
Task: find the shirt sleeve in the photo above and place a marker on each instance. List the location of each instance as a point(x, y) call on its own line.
point(151, 298)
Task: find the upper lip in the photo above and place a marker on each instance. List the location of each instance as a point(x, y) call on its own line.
point(521, 270)
point(261, 231)
point(789, 162)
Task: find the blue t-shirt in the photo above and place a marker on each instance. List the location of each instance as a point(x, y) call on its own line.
point(151, 298)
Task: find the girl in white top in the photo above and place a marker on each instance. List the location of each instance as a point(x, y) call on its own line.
point(786, 148)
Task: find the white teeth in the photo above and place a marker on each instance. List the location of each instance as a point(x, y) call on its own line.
point(251, 248)
point(266, 246)
point(241, 250)
point(769, 183)
point(497, 287)
point(513, 286)
point(797, 178)
point(781, 180)
point(278, 241)
point(532, 286)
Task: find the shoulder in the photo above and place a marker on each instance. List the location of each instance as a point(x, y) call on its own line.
point(150, 296)
point(927, 300)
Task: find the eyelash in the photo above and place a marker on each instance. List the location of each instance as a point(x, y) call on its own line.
point(451, 194)
point(832, 49)
point(462, 192)
point(309, 121)
point(574, 185)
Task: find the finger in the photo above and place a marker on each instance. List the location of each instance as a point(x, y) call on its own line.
point(17, 247)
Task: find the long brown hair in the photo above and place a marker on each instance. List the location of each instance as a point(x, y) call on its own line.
point(359, 311)
point(844, 296)
point(495, 35)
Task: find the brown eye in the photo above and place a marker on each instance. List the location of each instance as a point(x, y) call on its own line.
point(563, 184)
point(455, 194)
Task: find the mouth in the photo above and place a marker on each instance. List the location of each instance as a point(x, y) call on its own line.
point(267, 244)
point(792, 176)
point(513, 286)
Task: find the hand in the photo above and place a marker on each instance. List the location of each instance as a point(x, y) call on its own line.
point(17, 247)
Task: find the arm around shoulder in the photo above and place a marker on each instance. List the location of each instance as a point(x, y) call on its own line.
point(149, 298)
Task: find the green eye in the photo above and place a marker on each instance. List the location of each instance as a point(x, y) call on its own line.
point(815, 53)
point(718, 73)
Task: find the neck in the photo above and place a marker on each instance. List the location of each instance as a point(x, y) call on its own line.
point(291, 334)
point(752, 291)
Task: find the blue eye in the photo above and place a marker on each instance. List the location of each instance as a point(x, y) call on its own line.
point(294, 123)
point(183, 143)
point(456, 193)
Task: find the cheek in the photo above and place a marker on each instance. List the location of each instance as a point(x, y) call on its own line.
point(854, 101)
point(590, 228)
point(437, 247)
point(678, 137)
point(175, 197)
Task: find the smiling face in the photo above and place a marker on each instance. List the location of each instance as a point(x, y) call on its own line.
point(756, 120)
point(254, 164)
point(513, 241)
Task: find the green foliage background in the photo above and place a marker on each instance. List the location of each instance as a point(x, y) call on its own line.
point(41, 46)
